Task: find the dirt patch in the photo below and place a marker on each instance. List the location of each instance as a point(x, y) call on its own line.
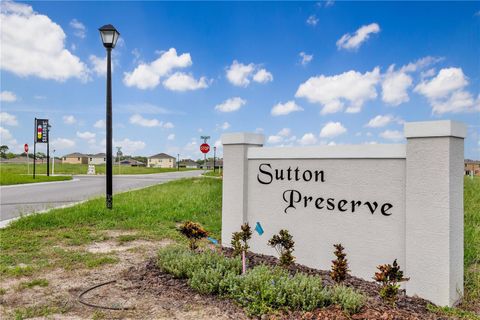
point(59, 300)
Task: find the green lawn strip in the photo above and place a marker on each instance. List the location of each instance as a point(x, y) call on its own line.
point(37, 242)
point(71, 169)
point(8, 178)
point(453, 312)
point(33, 283)
point(472, 241)
point(210, 173)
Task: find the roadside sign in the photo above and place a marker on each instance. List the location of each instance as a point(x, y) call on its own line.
point(41, 126)
point(204, 147)
point(25, 147)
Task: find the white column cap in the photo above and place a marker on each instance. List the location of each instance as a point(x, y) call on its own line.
point(443, 128)
point(243, 138)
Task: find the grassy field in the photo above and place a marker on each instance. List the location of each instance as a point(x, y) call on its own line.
point(8, 178)
point(12, 173)
point(38, 242)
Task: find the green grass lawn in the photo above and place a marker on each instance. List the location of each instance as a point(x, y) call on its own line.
point(13, 173)
point(8, 178)
point(38, 242)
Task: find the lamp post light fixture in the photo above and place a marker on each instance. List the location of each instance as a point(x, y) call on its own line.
point(109, 38)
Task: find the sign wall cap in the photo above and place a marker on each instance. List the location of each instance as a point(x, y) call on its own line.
point(243, 138)
point(442, 128)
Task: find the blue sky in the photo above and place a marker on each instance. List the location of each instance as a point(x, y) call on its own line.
point(308, 73)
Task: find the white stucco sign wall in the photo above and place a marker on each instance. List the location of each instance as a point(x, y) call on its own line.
point(382, 202)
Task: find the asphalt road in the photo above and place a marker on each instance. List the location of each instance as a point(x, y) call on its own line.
point(24, 199)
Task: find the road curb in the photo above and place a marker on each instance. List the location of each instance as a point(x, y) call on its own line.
point(37, 183)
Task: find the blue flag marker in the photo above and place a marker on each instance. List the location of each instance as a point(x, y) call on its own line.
point(214, 241)
point(259, 228)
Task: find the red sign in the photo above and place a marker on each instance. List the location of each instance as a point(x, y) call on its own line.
point(25, 147)
point(204, 147)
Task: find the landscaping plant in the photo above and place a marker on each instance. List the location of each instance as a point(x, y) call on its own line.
point(283, 243)
point(389, 278)
point(193, 232)
point(262, 289)
point(340, 265)
point(240, 243)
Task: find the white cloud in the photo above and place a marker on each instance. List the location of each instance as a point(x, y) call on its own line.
point(8, 96)
point(180, 81)
point(69, 119)
point(274, 139)
point(282, 135)
point(281, 109)
point(130, 146)
point(332, 91)
point(379, 121)
point(332, 129)
point(168, 125)
point(263, 76)
point(171, 137)
point(230, 105)
point(394, 87)
point(99, 65)
point(141, 121)
point(394, 135)
point(80, 30)
point(100, 124)
point(238, 73)
point(305, 58)
point(353, 42)
point(223, 126)
point(6, 137)
point(285, 132)
point(33, 45)
point(147, 75)
point(308, 139)
point(63, 143)
point(446, 81)
point(8, 119)
point(312, 20)
point(87, 135)
point(446, 92)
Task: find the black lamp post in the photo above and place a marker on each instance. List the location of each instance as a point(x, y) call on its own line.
point(109, 38)
point(178, 162)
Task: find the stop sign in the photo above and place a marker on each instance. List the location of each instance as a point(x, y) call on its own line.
point(204, 147)
point(25, 147)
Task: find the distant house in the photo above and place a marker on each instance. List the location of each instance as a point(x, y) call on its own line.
point(132, 163)
point(209, 165)
point(472, 167)
point(99, 158)
point(161, 160)
point(75, 158)
point(189, 164)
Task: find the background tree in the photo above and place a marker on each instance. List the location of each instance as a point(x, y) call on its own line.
point(3, 151)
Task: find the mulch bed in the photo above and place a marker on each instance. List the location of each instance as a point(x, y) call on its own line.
point(150, 278)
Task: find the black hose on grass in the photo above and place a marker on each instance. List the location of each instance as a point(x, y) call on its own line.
point(97, 306)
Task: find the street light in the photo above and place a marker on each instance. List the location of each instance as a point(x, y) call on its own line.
point(178, 162)
point(109, 38)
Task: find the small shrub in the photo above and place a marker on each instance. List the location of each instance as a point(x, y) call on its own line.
point(339, 265)
point(240, 239)
point(350, 300)
point(283, 243)
point(193, 232)
point(175, 260)
point(389, 278)
point(240, 243)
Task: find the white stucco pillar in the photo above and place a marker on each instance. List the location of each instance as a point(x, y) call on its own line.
point(235, 172)
point(434, 210)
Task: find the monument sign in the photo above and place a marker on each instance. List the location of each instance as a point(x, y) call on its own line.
point(382, 202)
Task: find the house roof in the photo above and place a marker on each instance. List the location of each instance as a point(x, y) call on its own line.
point(162, 156)
point(98, 155)
point(75, 155)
